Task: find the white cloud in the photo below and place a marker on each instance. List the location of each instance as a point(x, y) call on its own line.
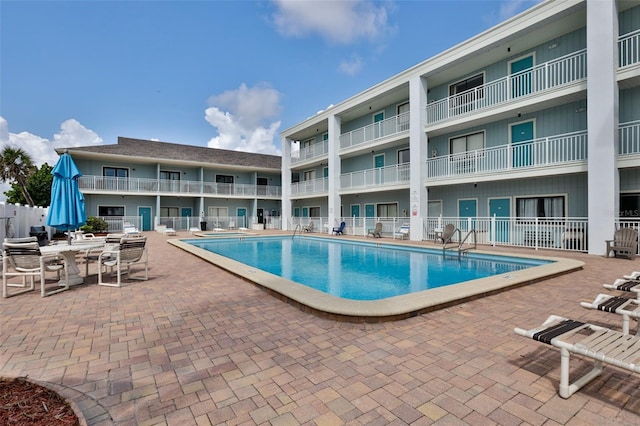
point(243, 119)
point(341, 22)
point(352, 66)
point(41, 150)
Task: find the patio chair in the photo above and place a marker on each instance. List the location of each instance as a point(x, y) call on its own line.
point(130, 252)
point(309, 227)
point(625, 284)
point(163, 229)
point(339, 230)
point(24, 259)
point(624, 243)
point(40, 233)
point(603, 345)
point(447, 233)
point(402, 232)
point(375, 232)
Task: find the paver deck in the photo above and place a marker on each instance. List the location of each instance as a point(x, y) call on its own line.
point(196, 345)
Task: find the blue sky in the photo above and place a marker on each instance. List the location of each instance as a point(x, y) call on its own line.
point(223, 74)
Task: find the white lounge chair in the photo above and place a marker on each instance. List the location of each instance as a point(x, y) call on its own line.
point(601, 344)
point(129, 228)
point(163, 229)
point(309, 227)
point(628, 308)
point(624, 284)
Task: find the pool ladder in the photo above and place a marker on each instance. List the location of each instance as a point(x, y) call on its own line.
point(458, 246)
point(296, 230)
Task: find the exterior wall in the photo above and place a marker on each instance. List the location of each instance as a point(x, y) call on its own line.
point(573, 186)
point(365, 120)
point(629, 101)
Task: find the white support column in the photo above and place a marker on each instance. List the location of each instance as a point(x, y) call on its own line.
point(334, 171)
point(418, 147)
point(286, 183)
point(602, 122)
point(156, 220)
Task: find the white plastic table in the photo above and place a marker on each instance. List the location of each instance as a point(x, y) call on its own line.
point(69, 252)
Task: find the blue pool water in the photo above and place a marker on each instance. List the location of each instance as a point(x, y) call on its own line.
point(359, 270)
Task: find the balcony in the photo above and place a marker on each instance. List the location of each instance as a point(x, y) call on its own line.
point(378, 178)
point(107, 185)
point(559, 150)
point(542, 78)
point(388, 127)
point(310, 187)
point(629, 49)
point(310, 152)
point(629, 138)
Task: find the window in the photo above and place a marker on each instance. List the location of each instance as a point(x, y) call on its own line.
point(466, 84)
point(629, 205)
point(295, 177)
point(314, 211)
point(404, 156)
point(169, 212)
point(307, 143)
point(387, 210)
point(541, 207)
point(466, 143)
point(403, 116)
point(309, 175)
point(115, 172)
point(224, 179)
point(110, 211)
point(169, 175)
point(262, 181)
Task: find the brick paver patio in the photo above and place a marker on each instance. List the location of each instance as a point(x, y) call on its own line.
point(195, 345)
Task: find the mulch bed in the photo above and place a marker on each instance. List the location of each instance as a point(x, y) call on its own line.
point(25, 403)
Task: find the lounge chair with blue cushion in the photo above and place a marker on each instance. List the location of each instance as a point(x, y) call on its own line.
point(339, 230)
point(402, 232)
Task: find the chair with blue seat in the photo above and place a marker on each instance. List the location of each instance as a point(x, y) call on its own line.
point(339, 230)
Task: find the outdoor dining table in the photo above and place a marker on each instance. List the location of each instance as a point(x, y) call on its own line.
point(69, 252)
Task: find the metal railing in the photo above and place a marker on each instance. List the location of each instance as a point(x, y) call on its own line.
point(629, 138)
point(312, 186)
point(378, 177)
point(310, 152)
point(180, 187)
point(629, 49)
point(553, 150)
point(390, 126)
point(541, 78)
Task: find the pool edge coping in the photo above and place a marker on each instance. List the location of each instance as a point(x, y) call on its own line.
point(397, 307)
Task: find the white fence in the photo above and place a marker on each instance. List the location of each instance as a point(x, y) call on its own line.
point(387, 127)
point(17, 220)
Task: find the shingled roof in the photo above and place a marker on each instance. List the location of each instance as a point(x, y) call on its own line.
point(162, 151)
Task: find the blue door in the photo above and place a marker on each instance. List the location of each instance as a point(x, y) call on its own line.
point(145, 213)
point(467, 209)
point(242, 218)
point(305, 212)
point(370, 210)
point(355, 210)
point(520, 77)
point(522, 144)
point(379, 171)
point(377, 126)
point(296, 212)
point(501, 208)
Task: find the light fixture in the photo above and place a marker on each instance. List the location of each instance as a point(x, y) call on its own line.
point(581, 109)
point(552, 46)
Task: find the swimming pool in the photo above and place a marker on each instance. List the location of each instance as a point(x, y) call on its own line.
point(372, 261)
point(361, 271)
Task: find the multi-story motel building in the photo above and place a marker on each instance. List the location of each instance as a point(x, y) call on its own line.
point(528, 133)
point(148, 183)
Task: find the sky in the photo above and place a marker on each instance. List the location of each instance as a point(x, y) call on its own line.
point(222, 74)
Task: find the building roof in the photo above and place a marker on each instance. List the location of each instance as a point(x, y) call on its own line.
point(165, 152)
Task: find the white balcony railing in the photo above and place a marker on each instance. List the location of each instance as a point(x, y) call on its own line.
point(378, 177)
point(310, 152)
point(629, 49)
point(381, 129)
point(554, 150)
point(309, 187)
point(107, 184)
point(541, 78)
point(629, 138)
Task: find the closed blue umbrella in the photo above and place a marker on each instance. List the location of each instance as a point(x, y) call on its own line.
point(67, 210)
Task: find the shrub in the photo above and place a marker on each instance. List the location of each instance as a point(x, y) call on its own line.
point(95, 225)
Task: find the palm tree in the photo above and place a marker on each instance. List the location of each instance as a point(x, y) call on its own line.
point(16, 165)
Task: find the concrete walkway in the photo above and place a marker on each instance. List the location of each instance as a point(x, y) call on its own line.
point(195, 345)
